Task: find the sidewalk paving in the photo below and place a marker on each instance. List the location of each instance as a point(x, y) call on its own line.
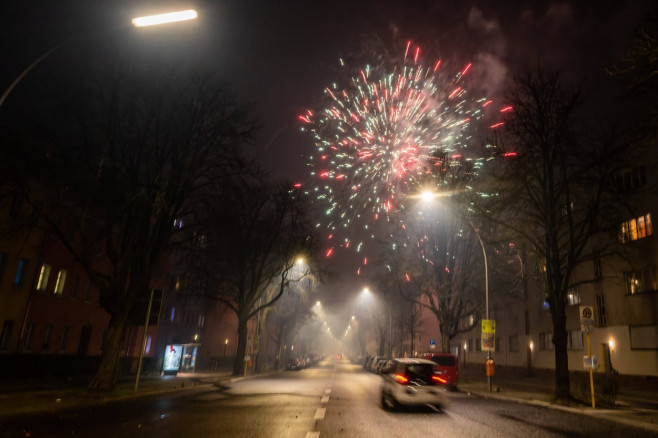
point(54, 394)
point(640, 412)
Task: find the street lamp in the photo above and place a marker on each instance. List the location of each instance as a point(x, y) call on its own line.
point(366, 291)
point(427, 196)
point(151, 20)
point(170, 17)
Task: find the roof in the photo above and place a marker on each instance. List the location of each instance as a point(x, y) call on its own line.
point(413, 360)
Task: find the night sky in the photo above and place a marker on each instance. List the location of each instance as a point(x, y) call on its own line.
point(280, 55)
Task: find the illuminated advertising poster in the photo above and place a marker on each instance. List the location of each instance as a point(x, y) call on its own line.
point(172, 358)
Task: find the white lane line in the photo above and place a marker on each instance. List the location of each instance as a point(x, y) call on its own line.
point(327, 391)
point(312, 434)
point(325, 399)
point(319, 414)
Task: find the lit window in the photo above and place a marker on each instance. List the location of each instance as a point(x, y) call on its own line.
point(44, 273)
point(640, 281)
point(21, 272)
point(173, 313)
point(573, 296)
point(61, 280)
point(148, 345)
point(637, 228)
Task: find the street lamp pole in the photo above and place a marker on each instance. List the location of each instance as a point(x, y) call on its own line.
point(486, 291)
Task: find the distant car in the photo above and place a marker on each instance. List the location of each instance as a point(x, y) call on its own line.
point(294, 364)
point(446, 367)
point(411, 382)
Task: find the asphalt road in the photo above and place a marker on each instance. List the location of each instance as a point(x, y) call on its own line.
point(336, 399)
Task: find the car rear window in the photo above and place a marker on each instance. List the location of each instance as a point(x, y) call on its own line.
point(444, 361)
point(423, 372)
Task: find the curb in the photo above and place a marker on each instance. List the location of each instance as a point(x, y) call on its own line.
point(600, 414)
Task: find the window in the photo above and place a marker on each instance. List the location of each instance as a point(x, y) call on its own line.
point(47, 338)
point(29, 334)
point(497, 344)
point(527, 324)
point(88, 292)
point(513, 343)
point(74, 287)
point(573, 296)
point(600, 310)
point(173, 313)
point(21, 272)
point(631, 179)
point(202, 320)
point(576, 340)
point(61, 280)
point(637, 228)
point(3, 263)
point(640, 281)
point(546, 341)
point(64, 338)
point(5, 335)
point(44, 274)
point(148, 345)
point(596, 258)
point(478, 344)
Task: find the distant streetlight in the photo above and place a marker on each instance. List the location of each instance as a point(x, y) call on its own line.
point(366, 291)
point(169, 17)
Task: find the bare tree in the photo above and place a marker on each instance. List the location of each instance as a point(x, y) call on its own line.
point(554, 191)
point(112, 162)
point(255, 231)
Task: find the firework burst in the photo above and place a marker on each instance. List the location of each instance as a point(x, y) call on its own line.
point(382, 135)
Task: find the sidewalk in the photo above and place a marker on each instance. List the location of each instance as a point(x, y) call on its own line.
point(635, 406)
point(55, 394)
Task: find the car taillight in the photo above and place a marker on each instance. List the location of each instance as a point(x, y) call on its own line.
point(439, 379)
point(401, 379)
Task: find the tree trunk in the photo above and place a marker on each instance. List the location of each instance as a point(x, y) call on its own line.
point(106, 375)
point(445, 343)
point(562, 383)
point(238, 361)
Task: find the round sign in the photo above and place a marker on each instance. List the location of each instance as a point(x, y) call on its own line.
point(587, 312)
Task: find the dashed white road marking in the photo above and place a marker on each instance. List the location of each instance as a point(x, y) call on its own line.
point(319, 414)
point(312, 434)
point(327, 391)
point(325, 399)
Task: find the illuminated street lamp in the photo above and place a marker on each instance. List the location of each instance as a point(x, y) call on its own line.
point(151, 20)
point(427, 196)
point(366, 291)
point(170, 17)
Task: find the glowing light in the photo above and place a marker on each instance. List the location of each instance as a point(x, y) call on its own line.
point(171, 17)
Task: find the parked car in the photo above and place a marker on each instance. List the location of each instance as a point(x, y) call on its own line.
point(381, 365)
point(294, 364)
point(446, 367)
point(411, 382)
point(375, 362)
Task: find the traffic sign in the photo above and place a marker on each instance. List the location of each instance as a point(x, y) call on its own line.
point(432, 344)
point(586, 318)
point(488, 326)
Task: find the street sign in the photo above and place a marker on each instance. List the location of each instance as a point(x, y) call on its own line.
point(586, 318)
point(432, 344)
point(488, 326)
point(488, 340)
